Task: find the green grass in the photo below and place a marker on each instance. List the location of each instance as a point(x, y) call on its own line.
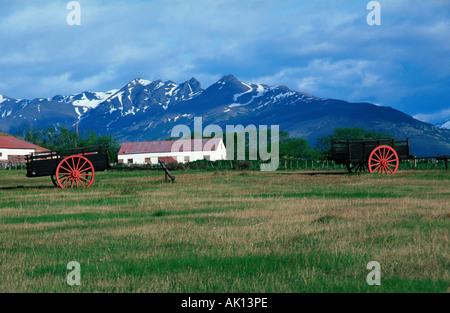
point(300, 231)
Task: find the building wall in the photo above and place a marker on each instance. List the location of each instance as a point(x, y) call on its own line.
point(6, 152)
point(181, 157)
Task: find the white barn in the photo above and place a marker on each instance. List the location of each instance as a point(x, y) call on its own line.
point(15, 150)
point(170, 151)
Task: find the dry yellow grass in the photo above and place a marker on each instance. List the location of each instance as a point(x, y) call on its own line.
point(227, 232)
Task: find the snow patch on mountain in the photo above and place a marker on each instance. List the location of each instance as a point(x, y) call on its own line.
point(260, 91)
point(171, 91)
point(6, 113)
point(99, 98)
point(144, 82)
point(445, 125)
point(2, 99)
point(250, 89)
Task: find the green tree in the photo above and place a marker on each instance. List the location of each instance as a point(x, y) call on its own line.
point(295, 147)
point(323, 144)
point(62, 138)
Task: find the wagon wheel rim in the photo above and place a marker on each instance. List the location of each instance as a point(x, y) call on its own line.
point(74, 172)
point(383, 160)
point(356, 167)
point(54, 180)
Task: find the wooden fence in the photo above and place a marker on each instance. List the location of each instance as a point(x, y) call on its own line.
point(12, 165)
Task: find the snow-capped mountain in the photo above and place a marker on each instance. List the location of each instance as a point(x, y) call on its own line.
point(147, 110)
point(44, 112)
point(444, 125)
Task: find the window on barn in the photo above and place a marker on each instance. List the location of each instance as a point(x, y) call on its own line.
point(130, 161)
point(207, 157)
point(120, 161)
point(147, 160)
point(186, 159)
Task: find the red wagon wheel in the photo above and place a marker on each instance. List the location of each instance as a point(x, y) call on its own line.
point(75, 171)
point(384, 160)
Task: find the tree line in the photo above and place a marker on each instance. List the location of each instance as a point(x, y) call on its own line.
point(60, 138)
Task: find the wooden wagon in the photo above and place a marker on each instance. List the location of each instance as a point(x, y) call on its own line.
point(69, 168)
point(378, 155)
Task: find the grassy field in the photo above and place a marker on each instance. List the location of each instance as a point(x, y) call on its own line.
point(227, 232)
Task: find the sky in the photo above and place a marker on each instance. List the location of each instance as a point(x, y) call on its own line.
point(324, 48)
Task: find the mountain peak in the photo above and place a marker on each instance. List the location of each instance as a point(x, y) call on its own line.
point(193, 80)
point(228, 78)
point(195, 84)
point(444, 125)
point(140, 81)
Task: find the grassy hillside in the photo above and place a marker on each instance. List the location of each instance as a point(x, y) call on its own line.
point(6, 134)
point(227, 232)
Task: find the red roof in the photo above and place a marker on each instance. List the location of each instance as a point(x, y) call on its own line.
point(168, 160)
point(166, 146)
point(8, 142)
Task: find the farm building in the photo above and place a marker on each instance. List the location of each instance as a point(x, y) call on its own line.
point(172, 151)
point(15, 150)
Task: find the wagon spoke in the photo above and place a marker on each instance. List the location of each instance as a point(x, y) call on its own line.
point(65, 178)
point(389, 170)
point(71, 169)
point(85, 179)
point(67, 182)
point(81, 182)
point(78, 163)
point(390, 156)
point(375, 156)
point(86, 169)
point(85, 162)
point(378, 155)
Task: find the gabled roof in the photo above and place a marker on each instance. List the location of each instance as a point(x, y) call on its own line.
point(9, 142)
point(167, 145)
